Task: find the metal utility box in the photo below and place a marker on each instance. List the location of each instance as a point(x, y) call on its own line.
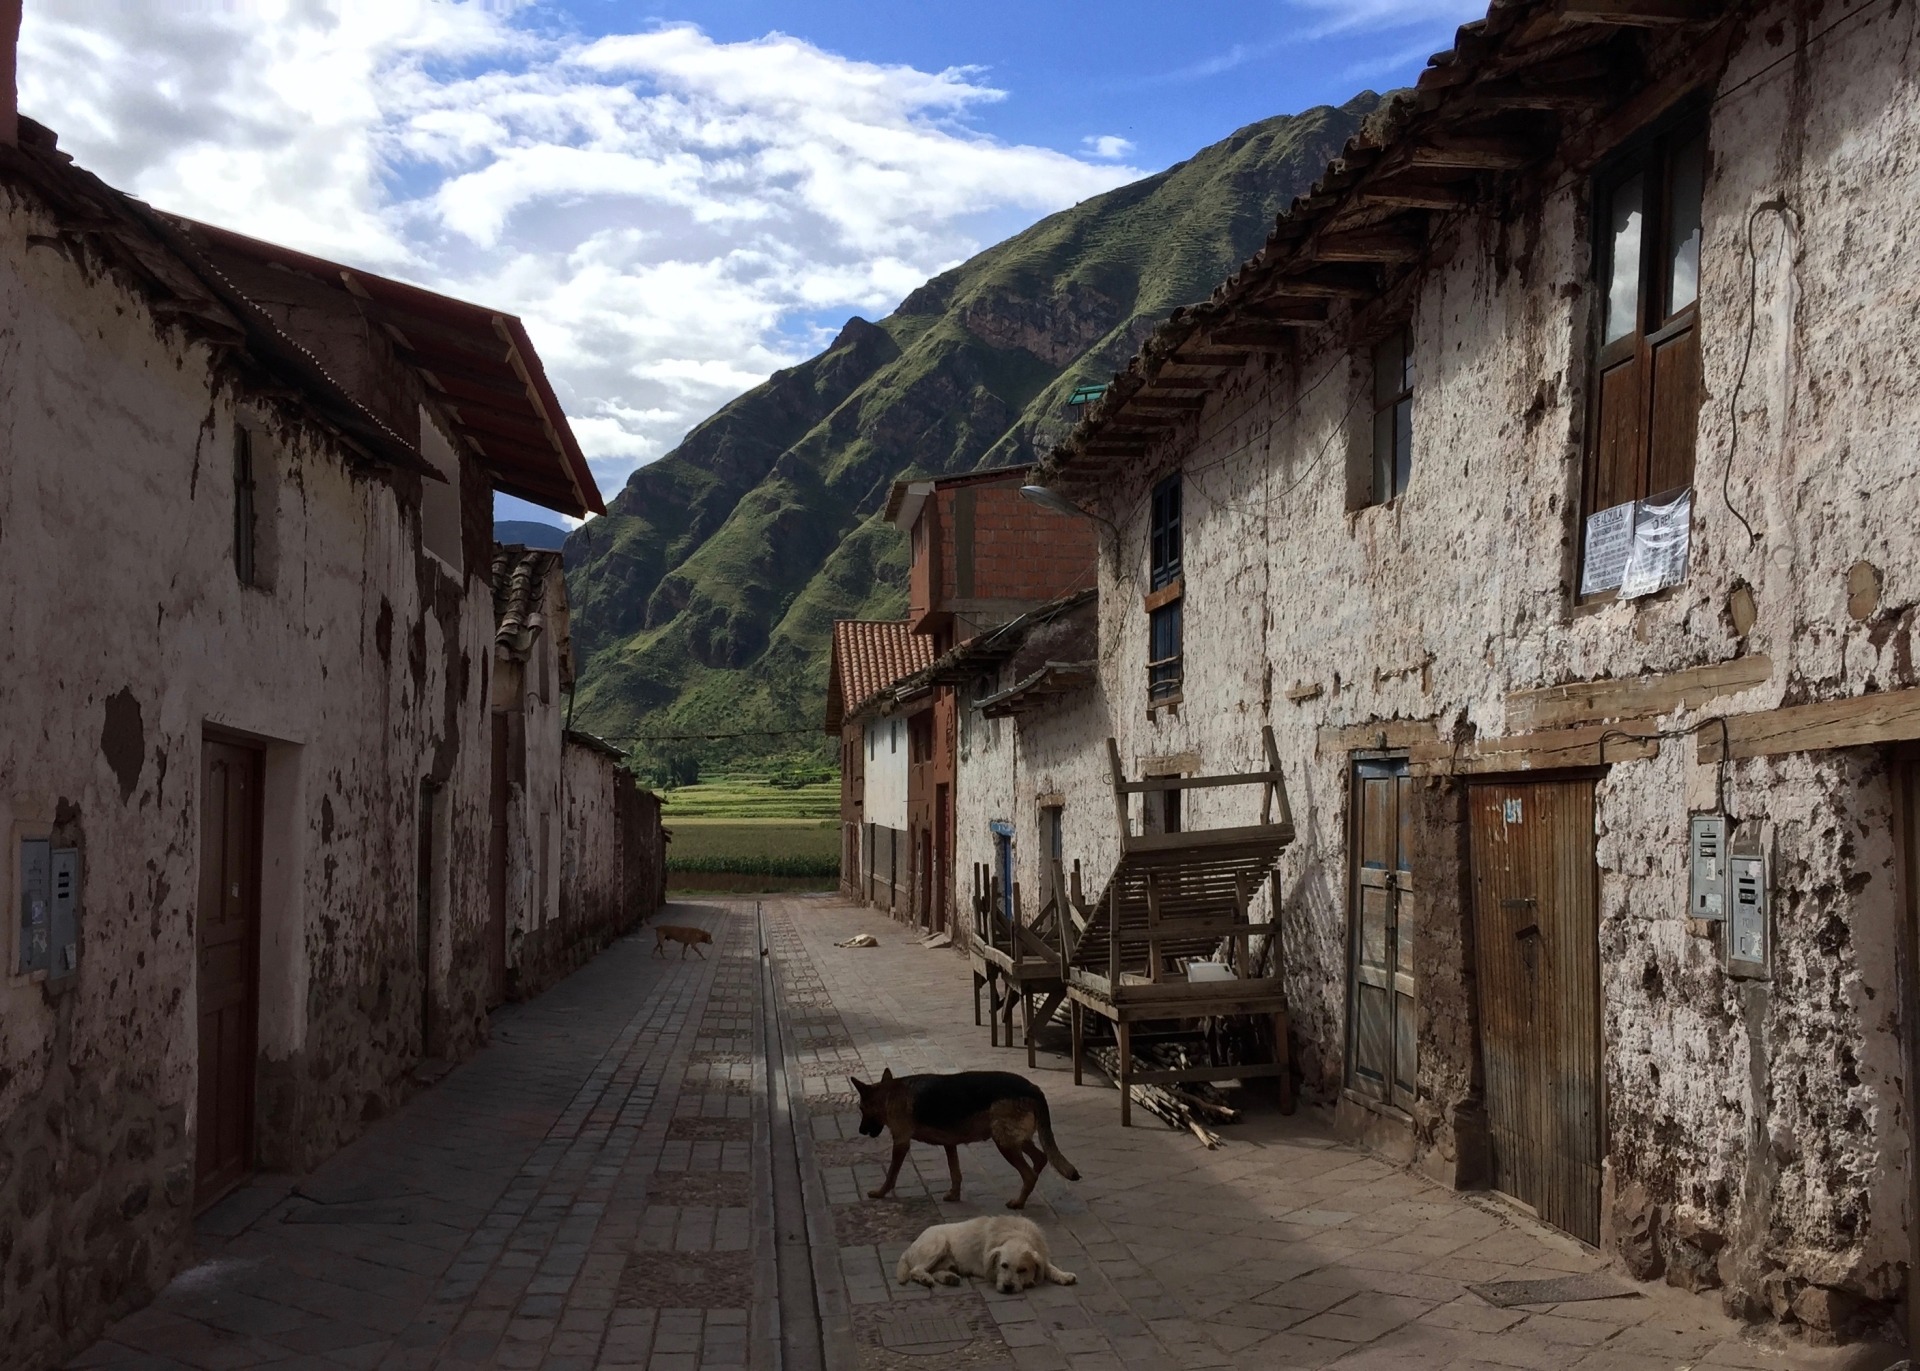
point(1749, 935)
point(1707, 867)
point(65, 951)
point(49, 939)
point(36, 906)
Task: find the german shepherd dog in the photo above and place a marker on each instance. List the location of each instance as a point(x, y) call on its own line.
point(678, 933)
point(963, 1107)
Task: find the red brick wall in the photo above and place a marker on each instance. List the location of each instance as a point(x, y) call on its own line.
point(1020, 551)
point(1024, 552)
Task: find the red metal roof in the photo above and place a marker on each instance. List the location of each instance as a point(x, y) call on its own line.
point(478, 363)
point(868, 656)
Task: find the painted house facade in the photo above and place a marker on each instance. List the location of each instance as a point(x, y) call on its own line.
point(1546, 484)
point(869, 656)
point(245, 526)
point(982, 555)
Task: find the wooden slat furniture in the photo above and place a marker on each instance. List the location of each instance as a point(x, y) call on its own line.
point(1016, 962)
point(1175, 897)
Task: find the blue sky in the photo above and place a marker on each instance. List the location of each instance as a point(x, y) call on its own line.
point(678, 199)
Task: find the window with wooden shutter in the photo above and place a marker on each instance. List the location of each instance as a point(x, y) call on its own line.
point(1646, 391)
point(1166, 586)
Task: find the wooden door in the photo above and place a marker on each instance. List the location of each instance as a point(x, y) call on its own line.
point(227, 938)
point(1536, 949)
point(1383, 1042)
point(1906, 810)
point(497, 864)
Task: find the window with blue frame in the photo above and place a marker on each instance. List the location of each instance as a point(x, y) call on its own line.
point(1165, 588)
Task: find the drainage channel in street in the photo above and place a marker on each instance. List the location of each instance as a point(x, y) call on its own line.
point(811, 1326)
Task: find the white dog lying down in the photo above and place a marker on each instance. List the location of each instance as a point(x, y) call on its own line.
point(1010, 1252)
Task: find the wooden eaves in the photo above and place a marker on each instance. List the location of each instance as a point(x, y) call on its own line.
point(185, 288)
point(1535, 86)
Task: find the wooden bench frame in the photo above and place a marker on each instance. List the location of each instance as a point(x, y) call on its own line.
point(1014, 962)
point(1165, 862)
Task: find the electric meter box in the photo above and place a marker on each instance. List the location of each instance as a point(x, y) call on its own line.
point(1749, 932)
point(49, 930)
point(1707, 867)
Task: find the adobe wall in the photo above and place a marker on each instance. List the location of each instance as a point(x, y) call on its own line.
point(594, 904)
point(363, 670)
point(1765, 1117)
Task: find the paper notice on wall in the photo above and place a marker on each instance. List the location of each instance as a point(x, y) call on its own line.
point(1661, 533)
point(1609, 543)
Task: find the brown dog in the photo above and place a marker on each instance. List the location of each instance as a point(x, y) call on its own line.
point(680, 933)
point(963, 1107)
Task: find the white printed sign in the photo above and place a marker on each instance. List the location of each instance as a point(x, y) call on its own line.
point(1609, 543)
point(1661, 533)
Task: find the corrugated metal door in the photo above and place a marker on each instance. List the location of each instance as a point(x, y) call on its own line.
point(1536, 939)
point(1382, 1035)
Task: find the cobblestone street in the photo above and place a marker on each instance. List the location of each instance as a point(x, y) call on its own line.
point(645, 1170)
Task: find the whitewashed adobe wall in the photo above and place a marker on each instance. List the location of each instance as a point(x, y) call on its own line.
point(362, 669)
point(1768, 1113)
point(886, 775)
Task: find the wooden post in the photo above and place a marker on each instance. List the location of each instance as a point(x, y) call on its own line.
point(1026, 1018)
point(1119, 794)
point(1153, 928)
point(993, 1005)
point(1282, 1058)
point(1074, 1012)
point(1123, 1035)
point(978, 981)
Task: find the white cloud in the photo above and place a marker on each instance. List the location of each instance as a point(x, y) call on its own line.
point(674, 217)
point(1108, 146)
point(1384, 16)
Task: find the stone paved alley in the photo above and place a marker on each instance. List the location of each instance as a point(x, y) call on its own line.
point(600, 1187)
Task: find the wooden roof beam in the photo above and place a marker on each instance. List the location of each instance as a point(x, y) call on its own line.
point(1417, 195)
point(1387, 246)
point(1635, 13)
point(1254, 334)
point(1555, 96)
point(1329, 283)
point(1216, 359)
point(1142, 400)
point(1463, 153)
point(1284, 310)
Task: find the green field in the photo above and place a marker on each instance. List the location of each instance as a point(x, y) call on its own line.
point(793, 853)
point(751, 797)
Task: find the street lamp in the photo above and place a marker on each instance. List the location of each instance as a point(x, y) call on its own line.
point(1060, 504)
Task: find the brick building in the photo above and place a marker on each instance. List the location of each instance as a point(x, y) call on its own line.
point(983, 555)
point(868, 658)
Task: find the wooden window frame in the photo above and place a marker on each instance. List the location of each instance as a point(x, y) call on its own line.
point(1656, 421)
point(246, 531)
point(1166, 581)
point(1384, 483)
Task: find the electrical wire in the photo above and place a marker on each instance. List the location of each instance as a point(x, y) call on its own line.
point(1776, 205)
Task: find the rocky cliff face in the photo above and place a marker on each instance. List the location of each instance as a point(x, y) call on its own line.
point(703, 600)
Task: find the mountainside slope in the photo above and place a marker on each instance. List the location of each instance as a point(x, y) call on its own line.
point(703, 600)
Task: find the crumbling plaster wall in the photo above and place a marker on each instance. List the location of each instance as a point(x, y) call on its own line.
point(1769, 1114)
point(591, 905)
point(359, 670)
point(536, 811)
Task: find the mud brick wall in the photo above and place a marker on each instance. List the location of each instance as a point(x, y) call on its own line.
point(1757, 1129)
point(359, 665)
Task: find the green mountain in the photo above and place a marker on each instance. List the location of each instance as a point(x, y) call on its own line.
point(703, 600)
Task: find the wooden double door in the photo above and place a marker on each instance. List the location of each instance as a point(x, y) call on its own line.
point(1536, 952)
point(227, 944)
point(1383, 1039)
